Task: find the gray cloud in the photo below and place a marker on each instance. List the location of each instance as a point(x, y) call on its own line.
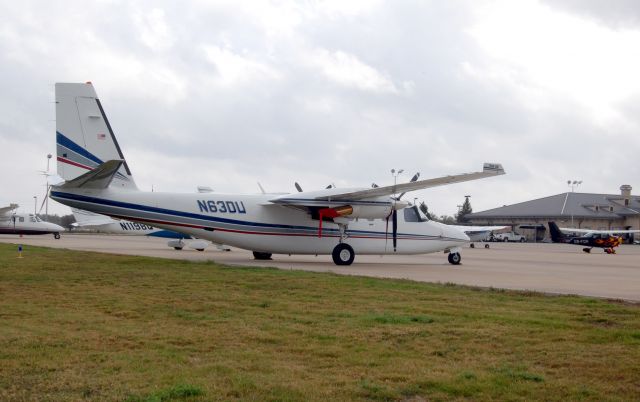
point(615, 13)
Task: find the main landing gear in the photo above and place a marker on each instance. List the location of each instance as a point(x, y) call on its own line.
point(609, 250)
point(343, 254)
point(454, 258)
point(56, 236)
point(587, 249)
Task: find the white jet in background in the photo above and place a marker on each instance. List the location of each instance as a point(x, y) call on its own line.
point(339, 222)
point(12, 222)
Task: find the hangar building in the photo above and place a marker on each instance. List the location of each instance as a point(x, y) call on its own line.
point(576, 210)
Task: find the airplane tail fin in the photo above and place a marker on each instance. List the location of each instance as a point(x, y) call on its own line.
point(556, 234)
point(84, 138)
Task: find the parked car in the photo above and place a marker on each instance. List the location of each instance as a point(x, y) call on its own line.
point(510, 236)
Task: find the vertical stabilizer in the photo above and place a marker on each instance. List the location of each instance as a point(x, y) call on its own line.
point(556, 234)
point(84, 138)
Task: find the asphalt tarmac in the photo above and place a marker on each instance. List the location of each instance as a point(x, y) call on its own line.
point(547, 268)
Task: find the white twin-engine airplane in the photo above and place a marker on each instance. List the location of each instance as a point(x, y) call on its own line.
point(336, 221)
point(25, 224)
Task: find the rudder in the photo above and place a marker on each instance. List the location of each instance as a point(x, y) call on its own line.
point(556, 234)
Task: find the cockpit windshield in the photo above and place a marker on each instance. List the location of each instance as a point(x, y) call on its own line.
point(413, 214)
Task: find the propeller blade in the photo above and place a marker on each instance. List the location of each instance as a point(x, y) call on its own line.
point(329, 186)
point(298, 187)
point(414, 178)
point(44, 199)
point(374, 185)
point(395, 228)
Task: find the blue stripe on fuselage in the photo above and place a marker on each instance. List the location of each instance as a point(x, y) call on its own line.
point(67, 143)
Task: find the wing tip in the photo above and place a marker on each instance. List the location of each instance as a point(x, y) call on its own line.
point(493, 168)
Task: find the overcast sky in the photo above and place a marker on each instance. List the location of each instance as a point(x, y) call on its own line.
point(226, 93)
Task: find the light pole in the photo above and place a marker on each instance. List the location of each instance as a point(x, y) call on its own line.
point(35, 205)
point(395, 175)
point(573, 184)
point(46, 208)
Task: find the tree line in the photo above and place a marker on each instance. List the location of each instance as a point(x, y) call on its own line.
point(459, 217)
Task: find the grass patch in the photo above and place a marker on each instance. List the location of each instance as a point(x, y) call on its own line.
point(181, 392)
point(97, 327)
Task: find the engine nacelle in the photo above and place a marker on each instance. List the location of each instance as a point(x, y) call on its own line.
point(370, 212)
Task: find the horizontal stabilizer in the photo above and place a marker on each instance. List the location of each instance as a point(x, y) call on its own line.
point(98, 178)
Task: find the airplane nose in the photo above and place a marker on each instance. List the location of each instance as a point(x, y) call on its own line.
point(55, 228)
point(457, 234)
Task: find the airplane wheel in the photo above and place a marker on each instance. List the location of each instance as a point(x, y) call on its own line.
point(261, 256)
point(200, 249)
point(522, 240)
point(472, 245)
point(454, 258)
point(486, 246)
point(178, 248)
point(56, 236)
point(343, 254)
point(586, 250)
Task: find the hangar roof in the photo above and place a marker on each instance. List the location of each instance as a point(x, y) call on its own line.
point(587, 205)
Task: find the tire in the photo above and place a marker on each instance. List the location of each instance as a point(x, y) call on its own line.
point(200, 249)
point(472, 245)
point(343, 254)
point(522, 240)
point(261, 256)
point(56, 236)
point(178, 248)
point(454, 258)
point(486, 246)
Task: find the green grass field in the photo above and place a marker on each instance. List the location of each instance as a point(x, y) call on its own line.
point(87, 326)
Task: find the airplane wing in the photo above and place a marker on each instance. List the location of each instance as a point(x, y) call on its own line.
point(333, 196)
point(488, 170)
point(599, 231)
point(6, 210)
point(86, 218)
point(473, 229)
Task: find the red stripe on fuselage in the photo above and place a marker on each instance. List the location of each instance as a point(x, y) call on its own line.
point(250, 232)
point(70, 162)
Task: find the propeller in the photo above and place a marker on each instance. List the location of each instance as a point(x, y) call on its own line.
point(394, 214)
point(394, 227)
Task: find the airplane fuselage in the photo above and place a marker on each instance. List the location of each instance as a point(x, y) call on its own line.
point(252, 222)
point(27, 224)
